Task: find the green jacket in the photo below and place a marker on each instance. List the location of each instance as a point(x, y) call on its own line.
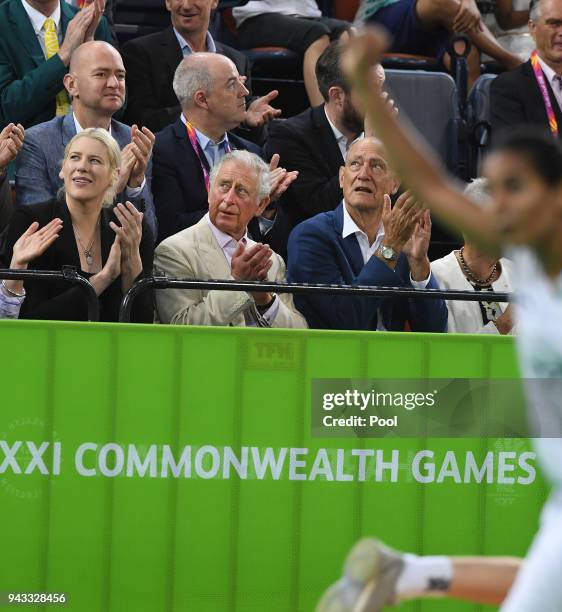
point(28, 82)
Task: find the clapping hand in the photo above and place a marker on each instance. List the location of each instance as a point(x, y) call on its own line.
point(400, 220)
point(129, 230)
point(34, 242)
point(30, 245)
point(81, 28)
point(280, 178)
point(98, 9)
point(142, 141)
point(129, 233)
point(11, 142)
point(253, 263)
point(417, 247)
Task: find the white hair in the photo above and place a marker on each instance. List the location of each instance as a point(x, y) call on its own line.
point(192, 75)
point(535, 10)
point(252, 161)
point(478, 190)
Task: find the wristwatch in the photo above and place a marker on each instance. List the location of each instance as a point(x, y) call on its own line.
point(387, 253)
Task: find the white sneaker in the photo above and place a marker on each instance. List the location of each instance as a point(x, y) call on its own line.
point(369, 583)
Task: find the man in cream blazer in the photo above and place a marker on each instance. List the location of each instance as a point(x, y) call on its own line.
point(218, 247)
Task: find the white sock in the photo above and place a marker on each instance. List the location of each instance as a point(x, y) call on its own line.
point(424, 576)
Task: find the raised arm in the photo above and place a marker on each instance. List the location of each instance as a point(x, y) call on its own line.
point(411, 157)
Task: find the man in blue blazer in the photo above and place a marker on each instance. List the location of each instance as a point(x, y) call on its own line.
point(96, 83)
point(29, 81)
point(365, 241)
point(212, 96)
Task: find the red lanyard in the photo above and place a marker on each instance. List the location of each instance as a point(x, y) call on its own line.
point(192, 135)
point(539, 75)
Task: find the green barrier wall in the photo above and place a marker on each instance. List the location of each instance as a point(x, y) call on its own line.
point(235, 537)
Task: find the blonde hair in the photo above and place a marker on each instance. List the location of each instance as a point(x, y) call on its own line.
point(113, 154)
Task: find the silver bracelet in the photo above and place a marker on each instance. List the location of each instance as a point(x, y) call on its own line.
point(12, 293)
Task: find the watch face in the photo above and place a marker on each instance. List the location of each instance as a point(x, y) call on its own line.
point(388, 252)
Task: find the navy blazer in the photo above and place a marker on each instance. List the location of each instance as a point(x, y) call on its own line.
point(39, 163)
point(178, 182)
point(319, 254)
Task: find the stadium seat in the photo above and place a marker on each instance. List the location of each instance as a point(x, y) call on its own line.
point(437, 119)
point(479, 120)
point(135, 18)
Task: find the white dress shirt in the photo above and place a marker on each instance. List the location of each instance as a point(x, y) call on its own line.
point(340, 138)
point(550, 75)
point(368, 250)
point(37, 21)
point(228, 245)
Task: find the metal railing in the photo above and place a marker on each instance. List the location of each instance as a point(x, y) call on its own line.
point(68, 274)
point(163, 282)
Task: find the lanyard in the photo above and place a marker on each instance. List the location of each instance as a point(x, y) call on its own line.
point(199, 152)
point(539, 75)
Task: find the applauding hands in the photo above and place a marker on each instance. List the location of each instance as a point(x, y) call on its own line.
point(124, 257)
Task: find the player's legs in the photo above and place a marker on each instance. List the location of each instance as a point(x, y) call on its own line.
point(375, 576)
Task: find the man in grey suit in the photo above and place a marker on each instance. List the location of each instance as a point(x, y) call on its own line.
point(96, 84)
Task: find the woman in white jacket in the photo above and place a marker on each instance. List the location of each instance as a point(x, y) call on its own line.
point(471, 269)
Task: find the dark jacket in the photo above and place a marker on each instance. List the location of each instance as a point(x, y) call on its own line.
point(178, 183)
point(307, 143)
point(151, 62)
point(515, 98)
point(319, 254)
point(59, 300)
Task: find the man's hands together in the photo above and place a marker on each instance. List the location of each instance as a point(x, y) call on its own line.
point(253, 264)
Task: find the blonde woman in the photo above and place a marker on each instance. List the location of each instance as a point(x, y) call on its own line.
point(110, 246)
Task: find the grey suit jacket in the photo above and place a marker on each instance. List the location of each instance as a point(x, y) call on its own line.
point(194, 253)
point(39, 162)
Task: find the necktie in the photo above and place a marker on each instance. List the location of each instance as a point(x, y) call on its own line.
point(52, 47)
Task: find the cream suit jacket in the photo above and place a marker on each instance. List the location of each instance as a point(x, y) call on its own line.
point(195, 253)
